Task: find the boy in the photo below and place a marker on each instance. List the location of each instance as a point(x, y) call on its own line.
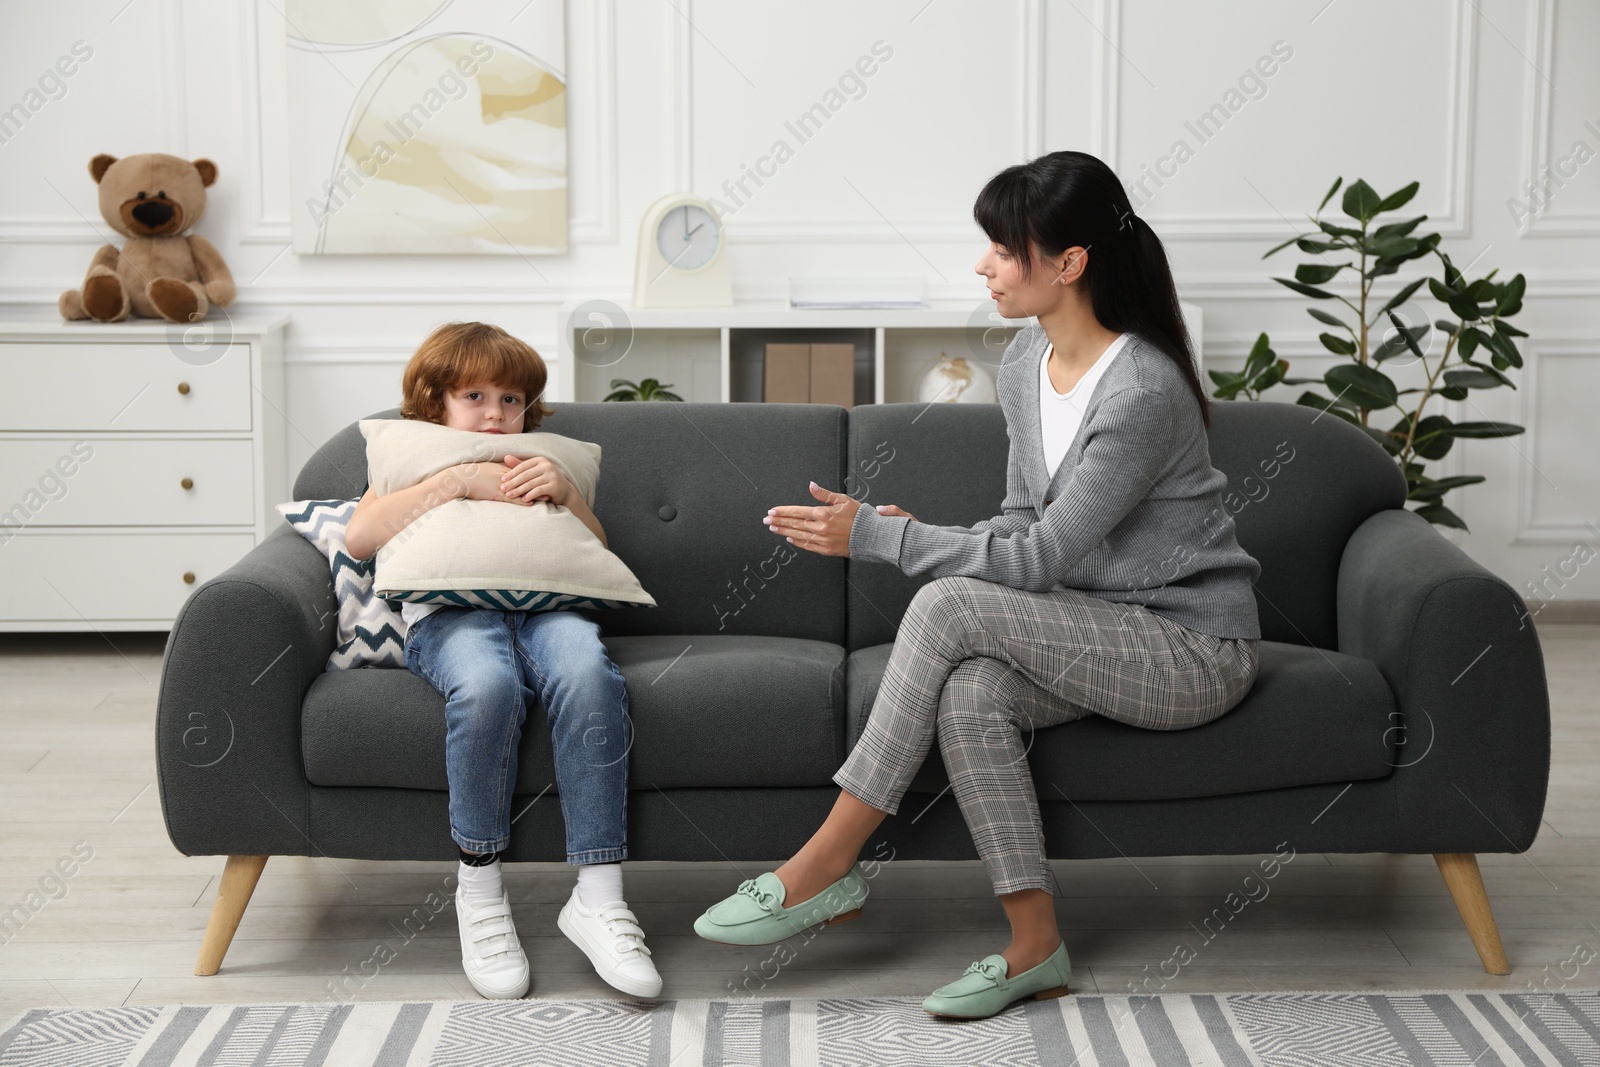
point(486, 663)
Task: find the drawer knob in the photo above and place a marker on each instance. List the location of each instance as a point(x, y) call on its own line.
point(183, 388)
point(187, 483)
point(188, 577)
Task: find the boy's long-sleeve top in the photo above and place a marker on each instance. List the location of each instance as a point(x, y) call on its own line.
point(1134, 513)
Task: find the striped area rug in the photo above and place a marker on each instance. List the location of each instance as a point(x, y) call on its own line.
point(1227, 1030)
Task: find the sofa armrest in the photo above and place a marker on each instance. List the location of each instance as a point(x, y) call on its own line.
point(1458, 648)
point(243, 651)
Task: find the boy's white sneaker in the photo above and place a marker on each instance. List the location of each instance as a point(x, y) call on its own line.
point(610, 936)
point(490, 952)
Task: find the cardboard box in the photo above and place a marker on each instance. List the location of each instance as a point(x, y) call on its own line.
point(810, 374)
point(787, 376)
point(833, 374)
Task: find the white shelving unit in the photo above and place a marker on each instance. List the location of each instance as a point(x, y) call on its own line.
point(717, 354)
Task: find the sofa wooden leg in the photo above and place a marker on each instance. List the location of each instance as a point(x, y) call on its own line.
point(239, 879)
point(1465, 882)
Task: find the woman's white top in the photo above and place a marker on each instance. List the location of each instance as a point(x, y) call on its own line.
point(1061, 414)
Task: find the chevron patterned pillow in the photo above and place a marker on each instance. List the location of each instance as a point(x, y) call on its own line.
point(371, 633)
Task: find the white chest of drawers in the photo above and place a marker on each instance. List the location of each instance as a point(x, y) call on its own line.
point(137, 460)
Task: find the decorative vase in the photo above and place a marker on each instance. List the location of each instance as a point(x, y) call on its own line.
point(956, 381)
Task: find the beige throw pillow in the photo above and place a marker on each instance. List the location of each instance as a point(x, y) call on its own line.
point(492, 553)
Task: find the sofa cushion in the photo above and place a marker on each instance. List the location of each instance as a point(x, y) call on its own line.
point(1312, 717)
point(708, 711)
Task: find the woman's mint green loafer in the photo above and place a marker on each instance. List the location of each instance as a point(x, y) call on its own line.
point(755, 915)
point(983, 989)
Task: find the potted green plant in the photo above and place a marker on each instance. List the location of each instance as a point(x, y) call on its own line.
point(1360, 388)
point(648, 389)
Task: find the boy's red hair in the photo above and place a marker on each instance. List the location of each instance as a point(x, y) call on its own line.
point(459, 353)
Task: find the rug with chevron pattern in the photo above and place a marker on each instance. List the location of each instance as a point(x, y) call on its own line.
point(1227, 1030)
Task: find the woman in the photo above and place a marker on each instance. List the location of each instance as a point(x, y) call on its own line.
point(1111, 584)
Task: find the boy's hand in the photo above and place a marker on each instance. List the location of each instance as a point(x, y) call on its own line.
point(539, 478)
point(475, 481)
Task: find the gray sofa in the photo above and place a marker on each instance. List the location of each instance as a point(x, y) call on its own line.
point(1401, 704)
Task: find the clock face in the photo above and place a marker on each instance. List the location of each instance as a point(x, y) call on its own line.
point(687, 237)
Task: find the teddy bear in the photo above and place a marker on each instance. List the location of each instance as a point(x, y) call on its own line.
point(161, 272)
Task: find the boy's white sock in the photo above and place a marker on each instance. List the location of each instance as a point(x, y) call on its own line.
point(479, 883)
point(599, 883)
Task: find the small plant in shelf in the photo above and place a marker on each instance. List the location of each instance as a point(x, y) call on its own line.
point(647, 389)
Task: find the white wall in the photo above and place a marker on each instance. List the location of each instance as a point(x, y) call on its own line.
point(1461, 95)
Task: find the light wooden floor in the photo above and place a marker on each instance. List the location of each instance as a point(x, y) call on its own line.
point(77, 764)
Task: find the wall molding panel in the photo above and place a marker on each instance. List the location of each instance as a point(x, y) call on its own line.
point(1251, 226)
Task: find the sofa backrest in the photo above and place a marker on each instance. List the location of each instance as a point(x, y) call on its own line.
point(682, 492)
point(1299, 483)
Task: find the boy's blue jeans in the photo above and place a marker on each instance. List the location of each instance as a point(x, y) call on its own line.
point(491, 666)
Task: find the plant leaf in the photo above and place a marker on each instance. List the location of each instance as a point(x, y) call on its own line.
point(1503, 347)
point(1397, 229)
point(1432, 439)
point(1261, 355)
point(1485, 429)
point(1409, 334)
point(1329, 195)
point(1511, 298)
point(1433, 490)
point(1440, 515)
point(1361, 201)
point(1306, 244)
point(1317, 273)
point(1392, 247)
point(1398, 198)
point(1341, 346)
point(1271, 376)
point(1474, 378)
point(1323, 316)
point(1306, 290)
point(1312, 400)
point(1398, 341)
point(1337, 231)
point(1365, 387)
point(1402, 296)
point(1386, 439)
point(1464, 306)
point(1279, 248)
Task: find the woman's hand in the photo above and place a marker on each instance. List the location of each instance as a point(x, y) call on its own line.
point(539, 478)
point(894, 509)
point(821, 528)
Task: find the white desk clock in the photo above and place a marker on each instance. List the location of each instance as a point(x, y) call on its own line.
point(682, 260)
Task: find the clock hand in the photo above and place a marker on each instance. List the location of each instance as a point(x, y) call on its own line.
point(686, 223)
point(694, 231)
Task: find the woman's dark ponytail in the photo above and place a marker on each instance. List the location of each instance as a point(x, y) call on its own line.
point(1069, 198)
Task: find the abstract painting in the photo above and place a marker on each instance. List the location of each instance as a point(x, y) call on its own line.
point(423, 126)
